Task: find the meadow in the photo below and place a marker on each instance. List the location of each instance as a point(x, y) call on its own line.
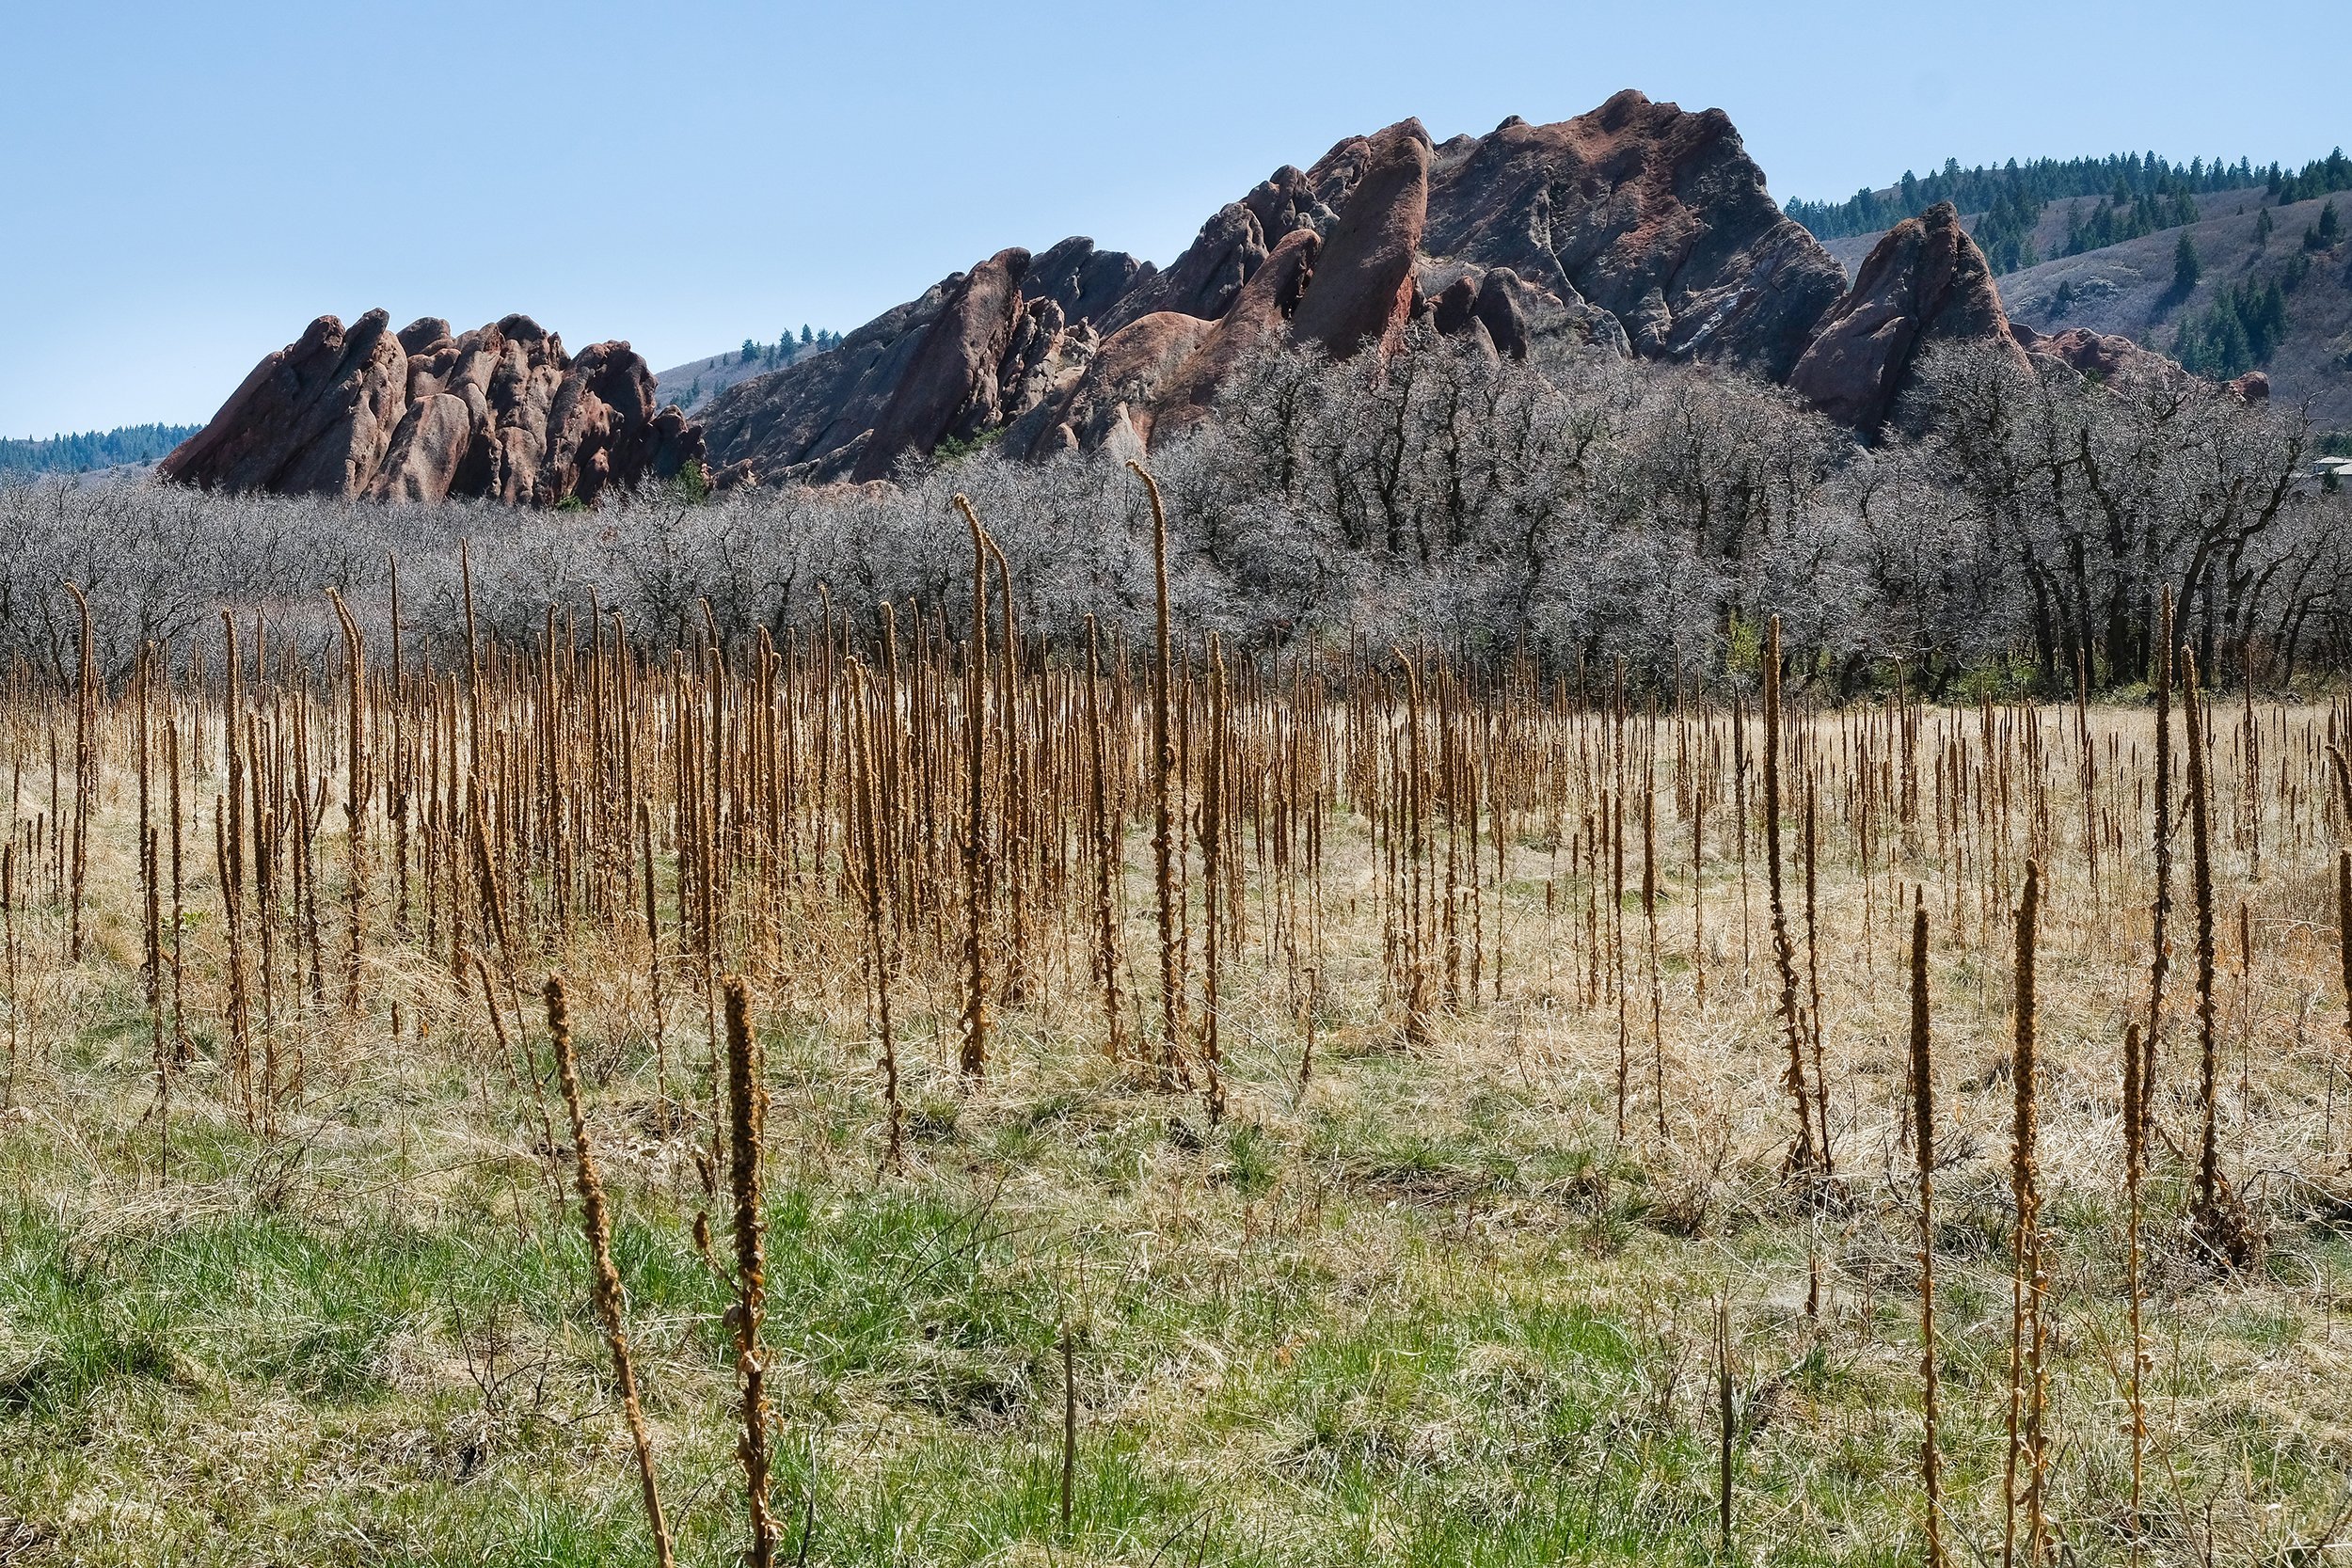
point(921, 1094)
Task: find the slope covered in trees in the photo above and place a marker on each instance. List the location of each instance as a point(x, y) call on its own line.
point(2135, 193)
point(86, 451)
point(2250, 286)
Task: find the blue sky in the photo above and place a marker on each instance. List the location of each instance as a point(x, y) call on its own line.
point(188, 185)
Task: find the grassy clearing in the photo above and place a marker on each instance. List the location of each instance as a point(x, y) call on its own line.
point(1430, 1310)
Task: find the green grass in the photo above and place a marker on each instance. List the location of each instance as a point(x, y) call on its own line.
point(1297, 1342)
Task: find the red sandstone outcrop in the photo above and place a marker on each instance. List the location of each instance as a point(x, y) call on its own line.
point(1262, 314)
point(2109, 356)
point(499, 412)
point(1655, 215)
point(974, 355)
point(1925, 282)
point(1635, 230)
point(2116, 361)
point(1126, 382)
point(1362, 291)
point(949, 385)
point(1160, 375)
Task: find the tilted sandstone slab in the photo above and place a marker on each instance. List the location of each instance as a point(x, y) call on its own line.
point(1159, 375)
point(1362, 289)
point(976, 352)
point(951, 385)
point(501, 412)
point(1925, 282)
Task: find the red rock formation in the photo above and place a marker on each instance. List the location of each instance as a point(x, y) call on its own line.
point(314, 418)
point(2109, 356)
point(500, 411)
point(1362, 290)
point(1925, 282)
point(950, 384)
point(1002, 351)
point(1260, 316)
point(1204, 279)
point(1453, 309)
point(1236, 240)
point(2117, 361)
point(1122, 387)
point(1083, 281)
point(1634, 229)
point(1653, 214)
point(1501, 310)
point(1637, 231)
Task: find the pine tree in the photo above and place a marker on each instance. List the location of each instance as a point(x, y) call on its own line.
point(2186, 269)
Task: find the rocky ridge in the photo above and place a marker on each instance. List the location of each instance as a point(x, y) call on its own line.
point(1638, 231)
point(501, 412)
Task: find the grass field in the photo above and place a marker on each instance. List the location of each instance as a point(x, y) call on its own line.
point(1447, 1292)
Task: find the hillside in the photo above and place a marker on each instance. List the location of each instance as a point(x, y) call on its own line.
point(89, 451)
point(695, 383)
point(2129, 289)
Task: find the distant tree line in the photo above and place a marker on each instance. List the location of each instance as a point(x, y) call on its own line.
point(81, 452)
point(2134, 175)
point(2318, 178)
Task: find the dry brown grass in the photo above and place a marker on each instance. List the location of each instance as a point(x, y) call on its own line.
point(933, 878)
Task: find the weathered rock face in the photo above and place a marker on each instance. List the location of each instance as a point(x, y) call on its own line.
point(1235, 241)
point(950, 384)
point(1925, 282)
point(2110, 357)
point(1261, 316)
point(985, 346)
point(1517, 318)
point(1363, 285)
point(1634, 230)
point(1122, 387)
point(1083, 281)
point(1204, 279)
point(499, 412)
point(1657, 216)
point(1159, 375)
